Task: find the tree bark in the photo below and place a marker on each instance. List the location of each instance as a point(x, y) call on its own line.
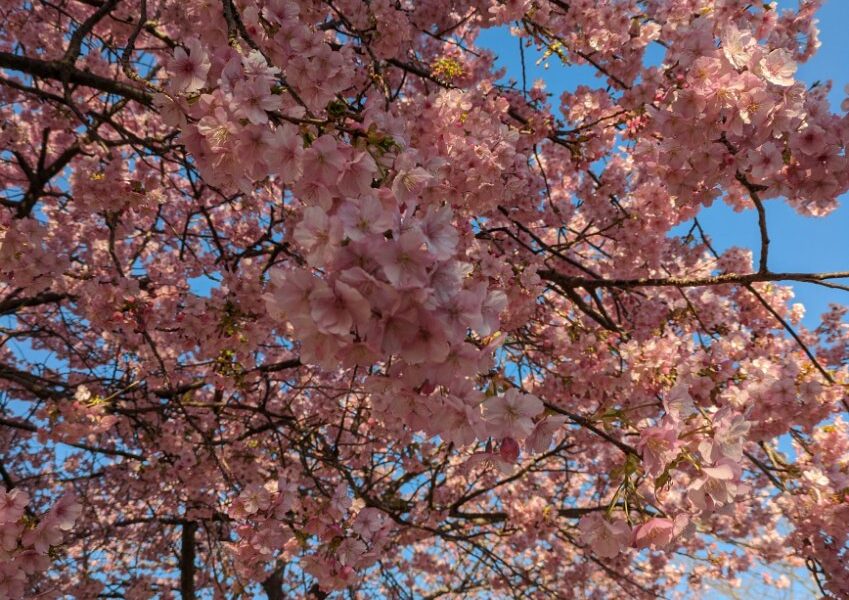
point(187, 560)
point(273, 585)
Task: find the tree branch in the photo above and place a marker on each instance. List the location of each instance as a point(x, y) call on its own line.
point(568, 281)
point(60, 71)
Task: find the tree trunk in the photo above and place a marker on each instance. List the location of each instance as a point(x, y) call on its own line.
point(187, 560)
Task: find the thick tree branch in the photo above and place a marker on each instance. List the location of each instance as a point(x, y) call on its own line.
point(26, 426)
point(568, 281)
point(76, 41)
point(11, 304)
point(60, 71)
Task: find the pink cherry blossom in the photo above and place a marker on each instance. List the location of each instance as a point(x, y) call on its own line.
point(540, 438)
point(441, 237)
point(12, 503)
point(368, 522)
point(337, 310)
point(489, 459)
point(679, 403)
point(716, 487)
point(189, 69)
point(255, 99)
point(66, 512)
point(288, 151)
point(409, 183)
point(510, 414)
point(45, 535)
point(659, 446)
point(364, 218)
point(730, 434)
point(810, 140)
point(778, 67)
point(605, 538)
point(428, 343)
point(405, 261)
point(358, 175)
point(508, 450)
point(654, 533)
point(323, 161)
point(765, 161)
point(737, 46)
point(319, 234)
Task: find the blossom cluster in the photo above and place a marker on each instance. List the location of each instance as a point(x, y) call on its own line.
point(27, 539)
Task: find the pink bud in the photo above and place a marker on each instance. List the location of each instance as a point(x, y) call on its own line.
point(509, 450)
point(346, 572)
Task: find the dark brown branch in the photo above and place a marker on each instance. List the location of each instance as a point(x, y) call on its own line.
point(59, 71)
point(40, 387)
point(39, 179)
point(759, 205)
point(568, 281)
point(498, 516)
point(12, 304)
point(26, 426)
point(76, 42)
point(587, 424)
point(765, 470)
point(292, 363)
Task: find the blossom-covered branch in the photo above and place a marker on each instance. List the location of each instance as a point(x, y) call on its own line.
point(301, 298)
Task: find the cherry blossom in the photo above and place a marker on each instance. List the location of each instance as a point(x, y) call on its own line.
point(606, 538)
point(659, 446)
point(510, 414)
point(540, 438)
point(189, 69)
point(778, 67)
point(654, 533)
point(737, 46)
point(12, 504)
point(716, 487)
point(306, 299)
